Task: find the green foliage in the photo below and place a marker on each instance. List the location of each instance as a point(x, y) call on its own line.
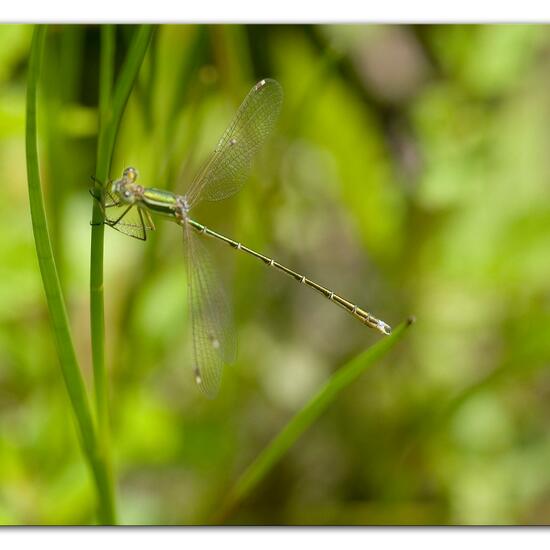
point(409, 172)
point(95, 443)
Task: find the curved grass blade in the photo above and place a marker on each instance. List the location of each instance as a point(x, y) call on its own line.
point(302, 420)
point(56, 304)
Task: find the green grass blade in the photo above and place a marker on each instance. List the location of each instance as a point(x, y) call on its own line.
point(97, 318)
point(56, 304)
point(111, 109)
point(305, 418)
point(106, 70)
point(112, 112)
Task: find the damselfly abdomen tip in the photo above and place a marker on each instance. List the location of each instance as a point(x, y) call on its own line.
point(384, 328)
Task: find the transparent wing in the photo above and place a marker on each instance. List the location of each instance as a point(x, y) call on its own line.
point(214, 342)
point(227, 168)
point(128, 219)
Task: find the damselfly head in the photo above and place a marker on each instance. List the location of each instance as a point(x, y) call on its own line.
point(125, 187)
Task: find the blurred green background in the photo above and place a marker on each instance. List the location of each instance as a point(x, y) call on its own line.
point(410, 172)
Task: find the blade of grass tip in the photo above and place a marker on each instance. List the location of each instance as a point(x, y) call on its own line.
point(54, 297)
point(112, 105)
point(304, 418)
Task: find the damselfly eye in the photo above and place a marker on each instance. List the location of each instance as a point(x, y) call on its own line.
point(130, 174)
point(127, 194)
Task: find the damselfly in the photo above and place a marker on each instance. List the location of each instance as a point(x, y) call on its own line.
point(128, 207)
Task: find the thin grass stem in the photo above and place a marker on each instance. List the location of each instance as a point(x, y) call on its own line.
point(111, 109)
point(304, 418)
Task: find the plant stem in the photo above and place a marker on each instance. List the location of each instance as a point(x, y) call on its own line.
point(54, 297)
point(304, 418)
point(111, 108)
point(97, 314)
